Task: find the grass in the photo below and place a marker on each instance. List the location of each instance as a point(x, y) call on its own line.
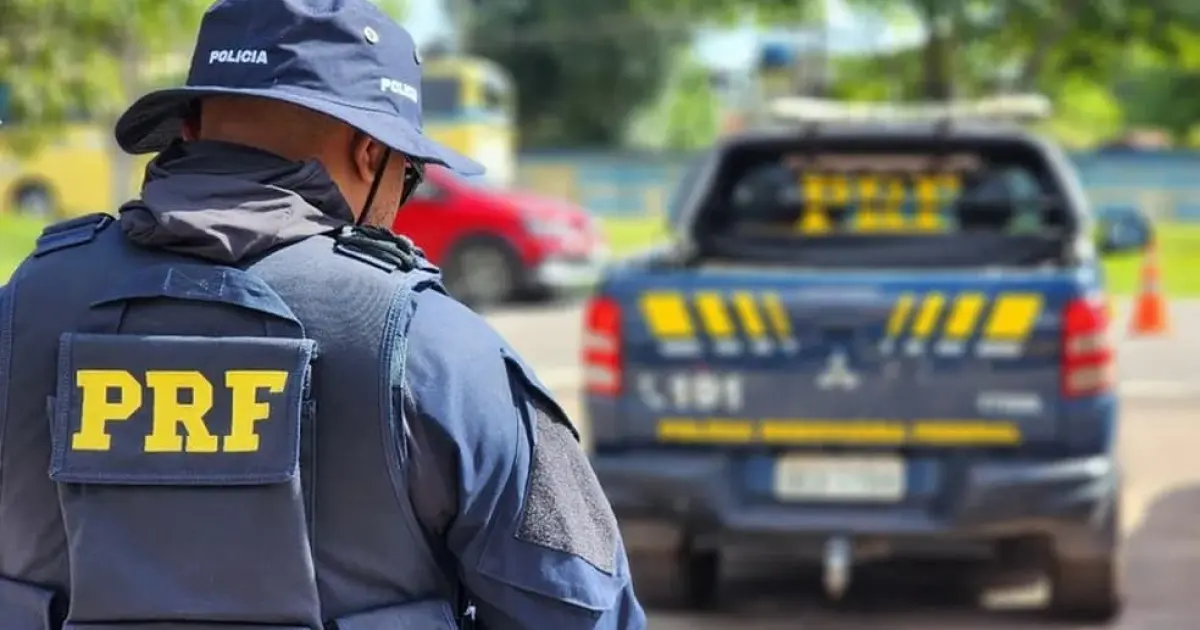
point(1179, 252)
point(16, 241)
point(626, 236)
point(1179, 264)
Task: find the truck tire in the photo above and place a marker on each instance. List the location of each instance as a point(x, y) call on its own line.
point(1086, 591)
point(1090, 590)
point(34, 200)
point(688, 581)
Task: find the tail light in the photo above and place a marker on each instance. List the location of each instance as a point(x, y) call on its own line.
point(602, 347)
point(1087, 354)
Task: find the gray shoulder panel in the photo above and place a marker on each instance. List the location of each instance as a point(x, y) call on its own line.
point(566, 509)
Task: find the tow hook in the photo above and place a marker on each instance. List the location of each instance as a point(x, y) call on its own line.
point(839, 558)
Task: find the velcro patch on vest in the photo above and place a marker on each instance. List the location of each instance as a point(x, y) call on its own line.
point(566, 509)
point(150, 410)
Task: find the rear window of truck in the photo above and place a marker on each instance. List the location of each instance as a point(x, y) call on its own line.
point(887, 203)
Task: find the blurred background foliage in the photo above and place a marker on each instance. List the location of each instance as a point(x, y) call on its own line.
point(64, 60)
point(620, 73)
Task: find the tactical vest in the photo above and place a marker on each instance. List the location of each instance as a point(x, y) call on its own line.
point(220, 441)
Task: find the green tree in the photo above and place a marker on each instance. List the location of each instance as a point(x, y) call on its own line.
point(66, 59)
point(686, 116)
point(1164, 93)
point(730, 11)
point(62, 59)
point(1035, 41)
point(580, 67)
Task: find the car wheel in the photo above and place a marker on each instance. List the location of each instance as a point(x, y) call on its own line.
point(33, 200)
point(689, 581)
point(482, 274)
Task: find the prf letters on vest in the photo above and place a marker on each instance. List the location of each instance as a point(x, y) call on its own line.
point(108, 396)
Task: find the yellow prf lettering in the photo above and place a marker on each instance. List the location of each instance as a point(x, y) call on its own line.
point(880, 201)
point(869, 217)
point(176, 426)
point(170, 414)
point(247, 409)
point(96, 410)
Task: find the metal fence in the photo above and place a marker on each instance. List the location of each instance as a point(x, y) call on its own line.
point(1165, 184)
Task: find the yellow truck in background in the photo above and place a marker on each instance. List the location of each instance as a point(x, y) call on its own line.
point(68, 176)
point(468, 106)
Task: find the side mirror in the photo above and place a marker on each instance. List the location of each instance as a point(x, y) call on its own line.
point(1123, 230)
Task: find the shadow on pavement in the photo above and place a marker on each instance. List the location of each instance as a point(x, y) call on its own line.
point(1163, 564)
point(925, 595)
point(1162, 557)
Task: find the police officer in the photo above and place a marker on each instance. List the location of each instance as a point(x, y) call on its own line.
point(256, 409)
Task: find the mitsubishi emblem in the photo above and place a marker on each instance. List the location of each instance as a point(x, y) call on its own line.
point(837, 373)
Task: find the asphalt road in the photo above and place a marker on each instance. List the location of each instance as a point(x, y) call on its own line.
point(1160, 442)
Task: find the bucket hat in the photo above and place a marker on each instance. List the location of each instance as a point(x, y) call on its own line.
point(344, 58)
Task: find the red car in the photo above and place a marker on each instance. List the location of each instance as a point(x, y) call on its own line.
point(497, 245)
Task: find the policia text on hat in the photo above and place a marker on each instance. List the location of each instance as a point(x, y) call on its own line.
point(256, 409)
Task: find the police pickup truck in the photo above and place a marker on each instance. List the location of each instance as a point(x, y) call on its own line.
point(868, 341)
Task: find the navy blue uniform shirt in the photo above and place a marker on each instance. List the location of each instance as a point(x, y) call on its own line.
point(498, 470)
point(493, 466)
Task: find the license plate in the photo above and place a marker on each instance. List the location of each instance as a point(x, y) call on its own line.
point(848, 479)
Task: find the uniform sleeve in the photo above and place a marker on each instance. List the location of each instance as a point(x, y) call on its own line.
point(498, 474)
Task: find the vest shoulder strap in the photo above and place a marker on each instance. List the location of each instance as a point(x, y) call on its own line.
point(381, 249)
point(71, 233)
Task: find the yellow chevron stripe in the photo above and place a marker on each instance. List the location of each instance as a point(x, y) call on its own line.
point(778, 315)
point(900, 314)
point(713, 314)
point(964, 317)
point(666, 315)
point(1014, 316)
point(927, 318)
point(747, 310)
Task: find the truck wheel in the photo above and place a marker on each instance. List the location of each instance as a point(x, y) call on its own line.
point(691, 581)
point(481, 273)
point(1090, 590)
point(33, 200)
point(1086, 591)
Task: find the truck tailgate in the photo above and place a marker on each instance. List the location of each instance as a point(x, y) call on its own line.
point(856, 359)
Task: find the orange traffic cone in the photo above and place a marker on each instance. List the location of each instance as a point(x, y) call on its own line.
point(1150, 310)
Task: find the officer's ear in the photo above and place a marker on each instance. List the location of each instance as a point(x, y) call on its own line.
point(191, 122)
point(367, 156)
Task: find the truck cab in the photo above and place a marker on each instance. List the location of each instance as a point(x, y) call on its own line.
point(869, 341)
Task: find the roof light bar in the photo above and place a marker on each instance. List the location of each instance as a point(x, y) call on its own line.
point(1017, 107)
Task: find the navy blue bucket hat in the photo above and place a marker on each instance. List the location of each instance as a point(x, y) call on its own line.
point(343, 58)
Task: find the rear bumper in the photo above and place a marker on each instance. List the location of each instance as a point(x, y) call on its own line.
point(558, 274)
point(661, 498)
